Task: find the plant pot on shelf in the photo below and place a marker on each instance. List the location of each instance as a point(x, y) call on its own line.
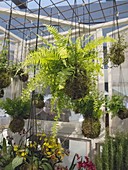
point(17, 124)
point(76, 87)
point(91, 127)
point(39, 101)
point(1, 93)
point(5, 79)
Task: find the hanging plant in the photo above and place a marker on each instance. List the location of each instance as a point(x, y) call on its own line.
point(77, 85)
point(117, 52)
point(91, 127)
point(39, 101)
point(17, 109)
point(17, 124)
point(64, 65)
point(22, 75)
point(90, 108)
point(5, 79)
point(116, 106)
point(1, 93)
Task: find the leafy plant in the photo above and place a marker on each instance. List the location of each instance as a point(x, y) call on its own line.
point(113, 155)
point(16, 107)
point(42, 153)
point(117, 52)
point(67, 67)
point(90, 105)
point(117, 107)
point(38, 100)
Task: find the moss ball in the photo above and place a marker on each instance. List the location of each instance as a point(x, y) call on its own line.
point(5, 79)
point(77, 87)
point(91, 128)
point(123, 114)
point(16, 125)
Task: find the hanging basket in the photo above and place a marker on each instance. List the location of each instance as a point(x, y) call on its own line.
point(39, 101)
point(1, 93)
point(16, 125)
point(117, 55)
point(5, 79)
point(91, 127)
point(123, 114)
point(76, 87)
point(22, 75)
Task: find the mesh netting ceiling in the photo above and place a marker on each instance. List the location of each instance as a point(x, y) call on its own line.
point(26, 19)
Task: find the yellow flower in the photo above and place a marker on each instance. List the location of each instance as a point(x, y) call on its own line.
point(23, 154)
point(43, 134)
point(15, 148)
point(45, 139)
point(30, 145)
point(49, 153)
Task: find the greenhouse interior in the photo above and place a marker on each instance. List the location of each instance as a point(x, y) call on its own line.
point(63, 85)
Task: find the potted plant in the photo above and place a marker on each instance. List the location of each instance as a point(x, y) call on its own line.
point(90, 108)
point(117, 52)
point(116, 106)
point(18, 110)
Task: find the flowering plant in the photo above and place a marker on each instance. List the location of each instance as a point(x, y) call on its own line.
point(82, 164)
point(41, 153)
point(79, 163)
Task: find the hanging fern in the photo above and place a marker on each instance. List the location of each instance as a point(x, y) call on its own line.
point(59, 62)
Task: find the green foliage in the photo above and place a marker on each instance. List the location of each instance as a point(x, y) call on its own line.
point(62, 64)
point(5, 79)
point(114, 153)
point(16, 107)
point(116, 106)
point(17, 161)
point(90, 105)
point(3, 58)
point(117, 55)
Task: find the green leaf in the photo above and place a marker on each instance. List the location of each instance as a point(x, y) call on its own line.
point(48, 165)
point(44, 167)
point(17, 161)
point(4, 146)
point(9, 167)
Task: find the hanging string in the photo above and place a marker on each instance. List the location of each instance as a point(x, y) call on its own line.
point(8, 36)
point(33, 108)
point(117, 18)
point(23, 45)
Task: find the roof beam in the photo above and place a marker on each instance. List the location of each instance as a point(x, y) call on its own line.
point(10, 34)
point(43, 19)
